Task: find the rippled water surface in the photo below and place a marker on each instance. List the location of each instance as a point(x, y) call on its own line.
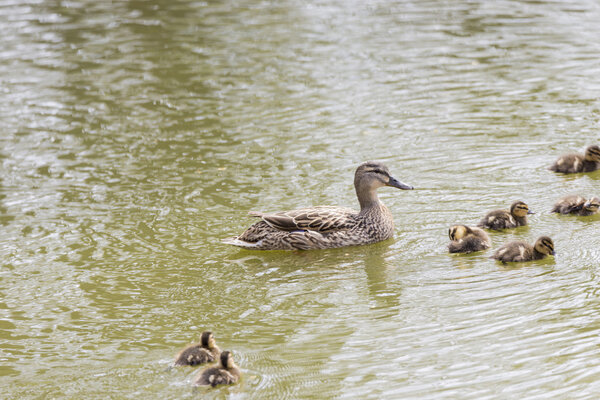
point(137, 134)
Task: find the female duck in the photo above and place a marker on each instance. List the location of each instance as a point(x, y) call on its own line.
point(327, 227)
point(502, 219)
point(226, 373)
point(466, 239)
point(578, 205)
point(199, 353)
point(575, 162)
point(519, 251)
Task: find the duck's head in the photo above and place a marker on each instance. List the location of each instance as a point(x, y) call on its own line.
point(592, 204)
point(458, 232)
point(592, 153)
point(227, 360)
point(544, 245)
point(208, 340)
point(374, 174)
point(520, 209)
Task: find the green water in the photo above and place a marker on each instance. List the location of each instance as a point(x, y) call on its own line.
point(137, 134)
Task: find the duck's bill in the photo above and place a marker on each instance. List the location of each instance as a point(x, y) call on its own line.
point(530, 212)
point(397, 184)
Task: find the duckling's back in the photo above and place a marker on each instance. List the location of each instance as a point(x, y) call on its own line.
point(497, 220)
point(217, 376)
point(194, 355)
point(516, 251)
point(477, 240)
point(568, 164)
point(569, 204)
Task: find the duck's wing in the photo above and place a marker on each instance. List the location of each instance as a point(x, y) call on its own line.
point(320, 219)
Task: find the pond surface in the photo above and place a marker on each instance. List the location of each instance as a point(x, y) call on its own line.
point(135, 135)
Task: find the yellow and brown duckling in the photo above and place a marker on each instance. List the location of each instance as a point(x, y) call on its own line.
point(519, 251)
point(199, 353)
point(467, 239)
point(503, 219)
point(578, 205)
point(226, 373)
point(575, 162)
point(325, 227)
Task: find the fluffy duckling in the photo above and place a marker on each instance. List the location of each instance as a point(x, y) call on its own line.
point(502, 219)
point(575, 162)
point(519, 251)
point(466, 239)
point(574, 204)
point(199, 353)
point(226, 373)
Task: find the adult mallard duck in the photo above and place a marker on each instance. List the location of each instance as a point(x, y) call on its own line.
point(502, 219)
point(199, 353)
point(467, 239)
point(226, 373)
point(518, 251)
point(574, 204)
point(325, 227)
point(575, 162)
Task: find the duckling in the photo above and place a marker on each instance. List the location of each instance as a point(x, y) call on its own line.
point(574, 204)
point(502, 219)
point(199, 353)
point(226, 373)
point(574, 162)
point(519, 251)
point(466, 239)
point(324, 227)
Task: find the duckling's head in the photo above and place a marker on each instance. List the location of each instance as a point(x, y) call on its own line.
point(519, 209)
point(227, 360)
point(592, 204)
point(544, 245)
point(592, 153)
point(458, 232)
point(374, 174)
point(208, 340)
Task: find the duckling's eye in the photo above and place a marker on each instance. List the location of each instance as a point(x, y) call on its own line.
point(594, 151)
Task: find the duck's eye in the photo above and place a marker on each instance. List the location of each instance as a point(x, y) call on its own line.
point(548, 245)
point(380, 171)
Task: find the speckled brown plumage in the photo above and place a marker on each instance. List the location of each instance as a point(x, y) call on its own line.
point(578, 205)
point(575, 162)
point(467, 239)
point(324, 227)
point(199, 353)
point(226, 373)
point(503, 219)
point(519, 251)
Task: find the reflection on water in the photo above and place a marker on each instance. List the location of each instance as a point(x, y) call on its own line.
point(138, 134)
